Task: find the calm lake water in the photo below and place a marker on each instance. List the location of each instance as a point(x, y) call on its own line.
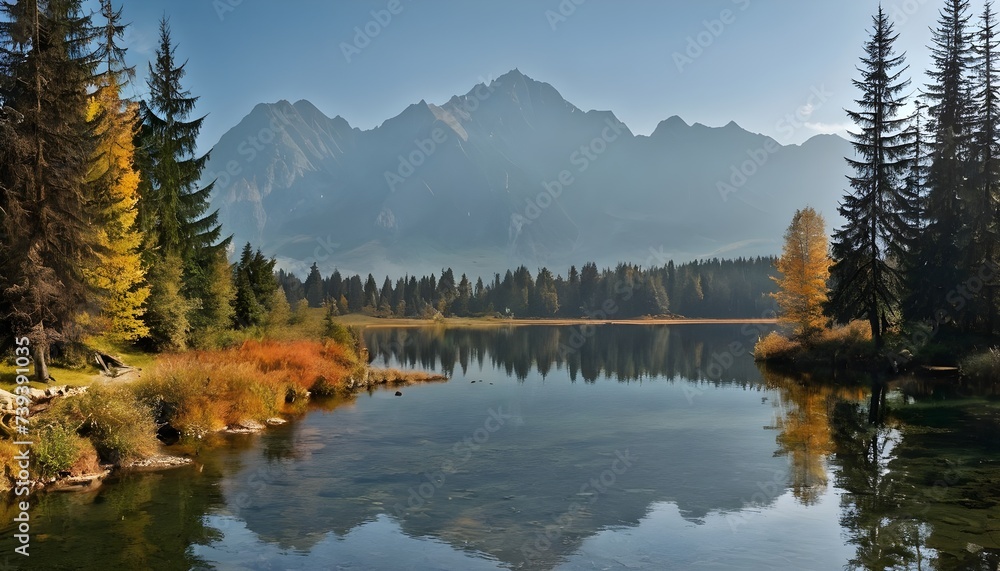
point(610, 447)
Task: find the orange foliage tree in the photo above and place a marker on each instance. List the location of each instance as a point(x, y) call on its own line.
point(805, 268)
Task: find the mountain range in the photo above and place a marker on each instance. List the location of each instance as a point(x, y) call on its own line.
point(509, 173)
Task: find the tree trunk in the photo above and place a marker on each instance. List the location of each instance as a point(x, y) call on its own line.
point(41, 353)
point(873, 320)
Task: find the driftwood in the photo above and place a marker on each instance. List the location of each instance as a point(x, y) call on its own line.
point(109, 365)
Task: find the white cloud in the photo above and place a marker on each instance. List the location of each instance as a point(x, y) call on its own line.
point(838, 128)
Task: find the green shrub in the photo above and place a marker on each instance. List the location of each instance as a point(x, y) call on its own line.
point(8, 465)
point(982, 366)
point(340, 334)
point(119, 425)
point(57, 449)
point(324, 387)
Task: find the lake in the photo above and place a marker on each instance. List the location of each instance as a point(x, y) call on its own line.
point(569, 448)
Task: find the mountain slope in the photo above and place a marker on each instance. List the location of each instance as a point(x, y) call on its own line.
point(509, 173)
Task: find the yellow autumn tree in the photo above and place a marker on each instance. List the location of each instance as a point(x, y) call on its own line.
point(119, 275)
point(805, 268)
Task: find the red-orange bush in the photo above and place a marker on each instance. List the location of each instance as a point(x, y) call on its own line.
point(204, 391)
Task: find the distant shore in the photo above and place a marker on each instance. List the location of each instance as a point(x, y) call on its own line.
point(366, 321)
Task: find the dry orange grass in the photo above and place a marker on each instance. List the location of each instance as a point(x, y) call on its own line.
point(204, 391)
point(855, 332)
point(775, 346)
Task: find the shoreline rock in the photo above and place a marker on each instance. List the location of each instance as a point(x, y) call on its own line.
point(157, 462)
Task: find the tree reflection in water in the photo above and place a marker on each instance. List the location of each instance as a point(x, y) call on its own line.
point(803, 419)
point(918, 461)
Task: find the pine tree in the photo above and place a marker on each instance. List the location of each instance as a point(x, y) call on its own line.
point(167, 309)
point(654, 300)
point(280, 312)
point(544, 296)
point(355, 294)
point(804, 266)
point(314, 287)
point(916, 182)
point(371, 293)
point(119, 274)
point(174, 208)
point(944, 244)
point(588, 287)
point(985, 203)
point(385, 296)
point(872, 245)
point(463, 302)
point(255, 287)
point(46, 213)
point(173, 211)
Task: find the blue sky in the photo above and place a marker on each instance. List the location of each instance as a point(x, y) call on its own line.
point(756, 62)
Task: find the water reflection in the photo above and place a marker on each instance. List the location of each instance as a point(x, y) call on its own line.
point(145, 521)
point(805, 430)
point(919, 463)
point(622, 352)
point(513, 465)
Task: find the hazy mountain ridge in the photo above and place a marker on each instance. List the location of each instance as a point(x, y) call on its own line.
point(479, 183)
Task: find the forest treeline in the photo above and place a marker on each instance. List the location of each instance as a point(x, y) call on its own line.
point(739, 288)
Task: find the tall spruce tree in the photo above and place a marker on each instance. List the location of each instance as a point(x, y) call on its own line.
point(314, 287)
point(986, 160)
point(944, 248)
point(46, 214)
point(916, 182)
point(173, 210)
point(870, 248)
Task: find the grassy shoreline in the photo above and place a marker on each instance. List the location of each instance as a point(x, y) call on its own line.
point(850, 348)
point(185, 397)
